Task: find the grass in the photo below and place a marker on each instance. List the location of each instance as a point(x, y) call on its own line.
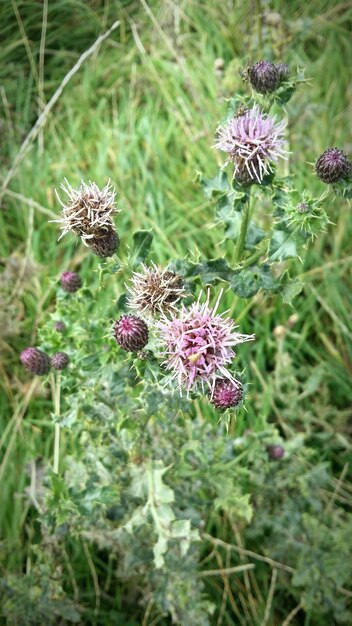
point(142, 111)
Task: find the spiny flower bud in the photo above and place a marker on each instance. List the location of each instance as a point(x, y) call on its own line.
point(275, 452)
point(226, 394)
point(283, 71)
point(333, 165)
point(60, 360)
point(264, 77)
point(60, 326)
point(105, 243)
point(35, 361)
point(70, 282)
point(131, 333)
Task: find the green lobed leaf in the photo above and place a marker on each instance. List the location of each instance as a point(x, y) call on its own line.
point(142, 241)
point(214, 186)
point(291, 290)
point(283, 245)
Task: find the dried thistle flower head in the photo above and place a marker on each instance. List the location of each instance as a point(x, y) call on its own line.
point(253, 141)
point(199, 345)
point(155, 290)
point(88, 210)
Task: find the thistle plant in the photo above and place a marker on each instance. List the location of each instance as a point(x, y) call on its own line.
point(131, 377)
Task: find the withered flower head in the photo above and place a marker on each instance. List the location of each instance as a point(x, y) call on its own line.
point(155, 290)
point(88, 210)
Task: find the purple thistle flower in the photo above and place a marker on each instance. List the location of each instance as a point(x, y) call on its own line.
point(199, 345)
point(60, 326)
point(60, 360)
point(226, 394)
point(131, 333)
point(333, 165)
point(70, 282)
point(275, 452)
point(35, 361)
point(253, 141)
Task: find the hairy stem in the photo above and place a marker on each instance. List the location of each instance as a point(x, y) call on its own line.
point(243, 232)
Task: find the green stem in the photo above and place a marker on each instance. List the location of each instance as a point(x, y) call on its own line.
point(243, 232)
point(55, 389)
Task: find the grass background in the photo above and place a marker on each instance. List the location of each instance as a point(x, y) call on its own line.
point(142, 111)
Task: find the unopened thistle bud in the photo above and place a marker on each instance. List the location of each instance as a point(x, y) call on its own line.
point(275, 452)
point(264, 77)
point(60, 360)
point(35, 361)
point(283, 71)
point(70, 282)
point(333, 165)
point(155, 290)
point(226, 394)
point(131, 333)
point(104, 243)
point(60, 327)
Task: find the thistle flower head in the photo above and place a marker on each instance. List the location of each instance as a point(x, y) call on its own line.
point(105, 243)
point(60, 326)
point(333, 165)
point(131, 333)
point(87, 210)
point(253, 141)
point(226, 394)
point(199, 345)
point(155, 290)
point(60, 360)
point(70, 282)
point(275, 452)
point(264, 77)
point(35, 361)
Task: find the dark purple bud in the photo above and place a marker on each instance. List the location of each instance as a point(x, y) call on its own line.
point(283, 71)
point(35, 361)
point(59, 360)
point(333, 165)
point(131, 333)
point(275, 452)
point(104, 243)
point(60, 327)
point(226, 394)
point(302, 207)
point(264, 77)
point(70, 282)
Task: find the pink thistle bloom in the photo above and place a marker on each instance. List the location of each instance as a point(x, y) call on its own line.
point(253, 141)
point(199, 345)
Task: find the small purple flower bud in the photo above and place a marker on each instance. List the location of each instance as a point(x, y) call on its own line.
point(283, 70)
point(264, 77)
point(333, 165)
point(275, 452)
point(226, 394)
point(105, 243)
point(70, 282)
point(131, 333)
point(60, 327)
point(60, 360)
point(302, 207)
point(35, 361)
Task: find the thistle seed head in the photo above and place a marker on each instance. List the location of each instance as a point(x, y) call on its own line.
point(70, 282)
point(333, 165)
point(105, 243)
point(155, 290)
point(35, 361)
point(60, 360)
point(87, 210)
point(264, 77)
point(226, 394)
point(131, 333)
